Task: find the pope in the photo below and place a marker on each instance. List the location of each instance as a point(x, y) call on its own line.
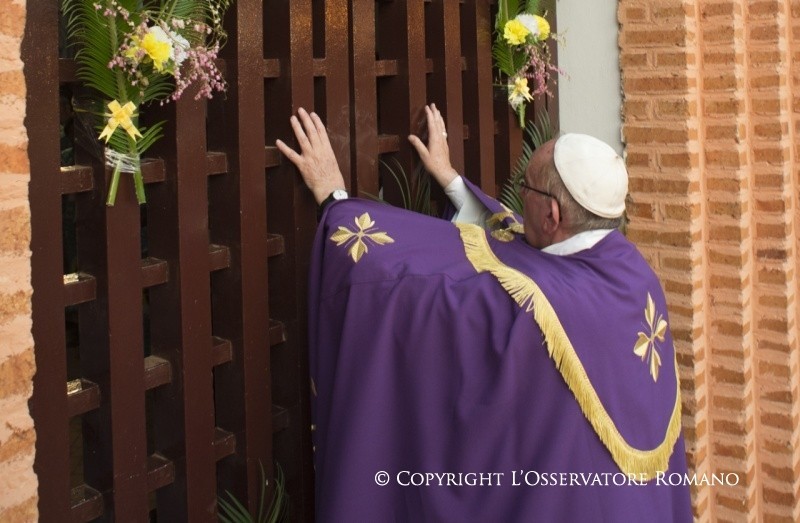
point(492, 367)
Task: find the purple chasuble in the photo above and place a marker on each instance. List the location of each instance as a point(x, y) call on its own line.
point(462, 376)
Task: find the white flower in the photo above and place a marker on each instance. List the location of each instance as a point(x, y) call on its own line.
point(530, 23)
point(518, 91)
point(178, 44)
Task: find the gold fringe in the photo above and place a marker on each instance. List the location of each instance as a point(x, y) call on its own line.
point(642, 463)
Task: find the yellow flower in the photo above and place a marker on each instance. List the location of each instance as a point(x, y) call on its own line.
point(157, 49)
point(544, 28)
point(515, 32)
point(519, 92)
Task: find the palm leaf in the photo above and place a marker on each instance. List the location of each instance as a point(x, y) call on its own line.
point(536, 133)
point(233, 511)
point(532, 7)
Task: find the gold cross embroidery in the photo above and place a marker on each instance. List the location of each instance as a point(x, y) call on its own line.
point(358, 248)
point(646, 347)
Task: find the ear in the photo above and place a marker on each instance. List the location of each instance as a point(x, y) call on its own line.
point(553, 219)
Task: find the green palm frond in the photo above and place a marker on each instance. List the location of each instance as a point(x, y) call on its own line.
point(233, 511)
point(503, 58)
point(536, 134)
point(532, 7)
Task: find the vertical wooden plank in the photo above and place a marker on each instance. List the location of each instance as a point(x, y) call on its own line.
point(337, 81)
point(292, 213)
point(195, 306)
point(111, 348)
point(180, 317)
point(403, 96)
point(476, 37)
point(49, 400)
point(445, 82)
point(238, 220)
point(126, 354)
point(365, 97)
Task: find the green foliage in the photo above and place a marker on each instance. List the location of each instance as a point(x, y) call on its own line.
point(415, 191)
point(233, 511)
point(536, 134)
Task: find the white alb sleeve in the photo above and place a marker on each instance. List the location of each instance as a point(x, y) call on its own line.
point(468, 208)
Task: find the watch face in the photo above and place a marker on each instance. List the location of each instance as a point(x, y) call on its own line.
point(339, 194)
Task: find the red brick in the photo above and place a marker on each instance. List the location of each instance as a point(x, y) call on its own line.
point(732, 209)
point(778, 231)
point(721, 34)
point(731, 328)
point(681, 264)
point(656, 84)
point(680, 160)
point(709, 10)
point(649, 37)
point(785, 397)
point(13, 82)
point(12, 18)
point(769, 81)
point(780, 301)
point(637, 109)
point(14, 159)
point(680, 107)
point(633, 60)
point(724, 184)
point(769, 275)
point(682, 213)
point(771, 155)
point(764, 34)
point(767, 107)
point(639, 134)
point(720, 57)
point(732, 233)
point(633, 14)
point(763, 9)
point(780, 326)
point(772, 130)
point(724, 108)
point(770, 181)
point(778, 421)
point(637, 160)
point(674, 59)
point(720, 132)
point(16, 373)
point(720, 82)
point(726, 282)
point(724, 158)
point(730, 451)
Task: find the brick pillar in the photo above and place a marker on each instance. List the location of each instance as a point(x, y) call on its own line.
point(18, 497)
point(711, 118)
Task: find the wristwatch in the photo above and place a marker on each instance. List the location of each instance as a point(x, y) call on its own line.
point(338, 194)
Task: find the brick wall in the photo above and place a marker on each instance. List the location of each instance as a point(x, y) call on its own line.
point(711, 123)
point(18, 497)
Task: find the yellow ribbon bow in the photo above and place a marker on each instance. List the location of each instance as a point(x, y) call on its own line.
point(120, 116)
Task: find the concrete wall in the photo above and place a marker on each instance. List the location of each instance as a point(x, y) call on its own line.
point(18, 497)
point(711, 123)
point(589, 96)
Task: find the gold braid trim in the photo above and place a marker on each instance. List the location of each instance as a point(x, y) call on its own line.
point(641, 463)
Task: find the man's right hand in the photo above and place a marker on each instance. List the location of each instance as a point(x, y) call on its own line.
point(316, 161)
point(436, 156)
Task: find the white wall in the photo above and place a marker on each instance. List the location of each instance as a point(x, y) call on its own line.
point(590, 96)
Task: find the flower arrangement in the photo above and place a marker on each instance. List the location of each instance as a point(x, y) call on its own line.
point(135, 52)
point(520, 52)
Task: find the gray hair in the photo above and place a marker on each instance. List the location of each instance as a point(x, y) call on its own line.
point(574, 217)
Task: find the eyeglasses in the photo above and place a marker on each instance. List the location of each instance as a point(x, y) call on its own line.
point(527, 187)
point(543, 193)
